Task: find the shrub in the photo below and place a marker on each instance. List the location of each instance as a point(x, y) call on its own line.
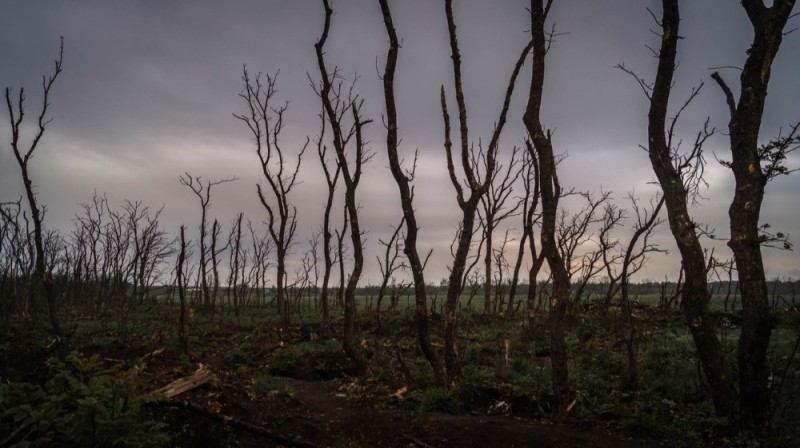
point(83, 404)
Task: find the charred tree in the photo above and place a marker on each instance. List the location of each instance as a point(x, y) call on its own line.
point(336, 106)
point(476, 186)
point(678, 175)
point(550, 190)
point(403, 180)
point(753, 166)
point(331, 179)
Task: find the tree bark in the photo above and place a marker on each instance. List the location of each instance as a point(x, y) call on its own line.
point(550, 193)
point(745, 208)
point(334, 109)
point(672, 180)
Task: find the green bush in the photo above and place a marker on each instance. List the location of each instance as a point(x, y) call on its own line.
point(83, 404)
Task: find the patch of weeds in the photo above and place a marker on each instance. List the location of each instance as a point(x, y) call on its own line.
point(186, 364)
point(268, 384)
point(645, 425)
point(309, 360)
point(670, 371)
point(440, 399)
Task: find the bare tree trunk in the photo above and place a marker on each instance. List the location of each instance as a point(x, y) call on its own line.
point(335, 109)
point(477, 188)
point(675, 177)
point(330, 179)
point(182, 294)
point(745, 210)
point(550, 194)
point(407, 201)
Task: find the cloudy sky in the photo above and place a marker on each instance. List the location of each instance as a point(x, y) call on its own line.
point(149, 88)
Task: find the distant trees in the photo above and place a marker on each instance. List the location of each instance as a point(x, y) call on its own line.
point(202, 189)
point(23, 155)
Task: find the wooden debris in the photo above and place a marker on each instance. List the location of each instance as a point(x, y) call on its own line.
point(203, 375)
point(142, 362)
point(416, 441)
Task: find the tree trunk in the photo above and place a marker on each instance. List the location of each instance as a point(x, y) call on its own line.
point(550, 194)
point(672, 181)
point(745, 209)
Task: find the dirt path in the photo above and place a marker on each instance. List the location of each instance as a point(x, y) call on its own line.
point(323, 412)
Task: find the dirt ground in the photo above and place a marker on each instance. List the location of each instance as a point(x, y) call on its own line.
point(335, 413)
point(312, 408)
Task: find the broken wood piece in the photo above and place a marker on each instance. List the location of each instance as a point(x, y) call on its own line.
point(203, 375)
point(142, 362)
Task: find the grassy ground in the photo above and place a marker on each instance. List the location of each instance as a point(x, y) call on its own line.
point(267, 371)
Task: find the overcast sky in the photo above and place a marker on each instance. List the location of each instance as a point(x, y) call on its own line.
point(149, 88)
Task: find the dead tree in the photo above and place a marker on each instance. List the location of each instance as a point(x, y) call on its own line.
point(341, 253)
point(753, 166)
point(573, 233)
point(389, 264)
point(550, 188)
point(679, 175)
point(632, 260)
point(336, 106)
point(531, 215)
point(619, 261)
point(331, 179)
point(23, 157)
point(202, 190)
point(403, 180)
point(477, 187)
point(180, 278)
point(237, 262)
point(257, 276)
point(151, 246)
point(265, 121)
point(492, 212)
point(214, 252)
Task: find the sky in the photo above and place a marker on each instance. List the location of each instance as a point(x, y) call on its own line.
point(149, 89)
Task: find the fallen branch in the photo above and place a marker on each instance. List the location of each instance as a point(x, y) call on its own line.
point(416, 441)
point(203, 375)
point(235, 423)
point(142, 362)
